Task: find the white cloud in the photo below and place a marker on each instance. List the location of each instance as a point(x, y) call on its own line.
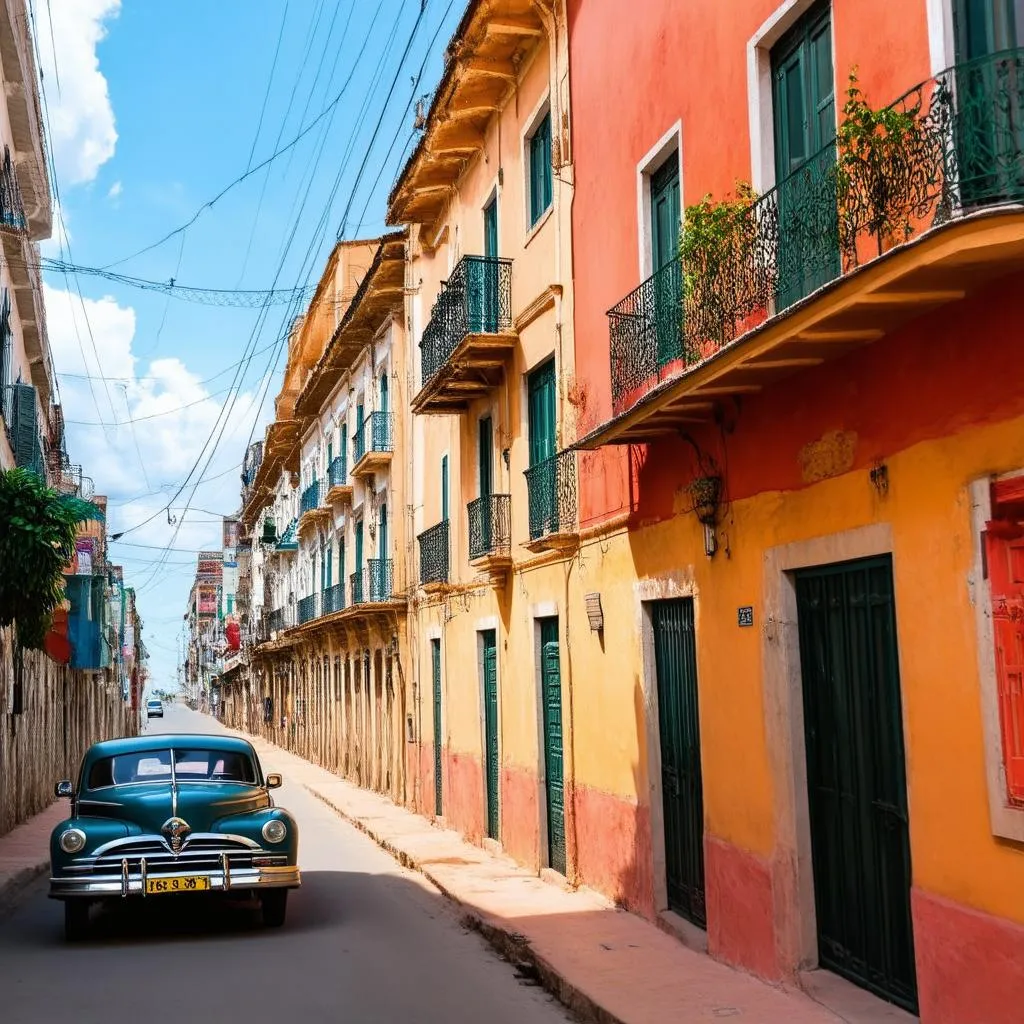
point(115, 190)
point(167, 445)
point(82, 132)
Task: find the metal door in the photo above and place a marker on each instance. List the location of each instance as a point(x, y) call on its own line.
point(435, 663)
point(492, 762)
point(551, 699)
point(675, 655)
point(856, 776)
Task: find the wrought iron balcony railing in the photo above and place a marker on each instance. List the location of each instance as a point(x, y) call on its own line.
point(476, 299)
point(337, 471)
point(490, 526)
point(308, 608)
point(374, 434)
point(310, 498)
point(281, 618)
point(551, 490)
point(333, 599)
point(12, 208)
point(434, 554)
point(374, 583)
point(956, 144)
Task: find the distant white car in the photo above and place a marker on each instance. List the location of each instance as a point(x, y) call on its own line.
point(154, 709)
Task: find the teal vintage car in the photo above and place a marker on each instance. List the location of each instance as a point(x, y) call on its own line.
point(164, 814)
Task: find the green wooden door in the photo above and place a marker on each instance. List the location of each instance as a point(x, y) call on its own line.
point(329, 571)
point(445, 509)
point(675, 654)
point(803, 97)
point(551, 700)
point(989, 90)
point(665, 226)
point(485, 445)
point(343, 443)
point(357, 583)
point(492, 760)
point(384, 392)
point(543, 503)
point(435, 666)
point(856, 778)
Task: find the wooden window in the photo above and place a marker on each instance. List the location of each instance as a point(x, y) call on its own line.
point(541, 178)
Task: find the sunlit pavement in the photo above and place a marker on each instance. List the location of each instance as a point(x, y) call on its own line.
point(365, 941)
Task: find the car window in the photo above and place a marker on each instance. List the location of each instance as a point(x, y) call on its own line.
point(198, 765)
point(140, 766)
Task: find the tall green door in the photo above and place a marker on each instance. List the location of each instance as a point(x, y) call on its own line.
point(803, 101)
point(665, 226)
point(990, 125)
point(543, 504)
point(357, 586)
point(435, 666)
point(492, 760)
point(675, 655)
point(551, 699)
point(856, 781)
point(485, 445)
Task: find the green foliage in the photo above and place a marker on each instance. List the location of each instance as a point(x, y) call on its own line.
point(877, 153)
point(37, 540)
point(717, 250)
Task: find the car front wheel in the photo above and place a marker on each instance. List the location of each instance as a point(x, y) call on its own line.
point(76, 920)
point(274, 905)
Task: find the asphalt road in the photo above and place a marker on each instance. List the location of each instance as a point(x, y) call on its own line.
point(365, 941)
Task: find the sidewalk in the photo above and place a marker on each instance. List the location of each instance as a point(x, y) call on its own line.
point(608, 965)
point(25, 850)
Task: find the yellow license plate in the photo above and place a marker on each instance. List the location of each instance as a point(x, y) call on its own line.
point(183, 883)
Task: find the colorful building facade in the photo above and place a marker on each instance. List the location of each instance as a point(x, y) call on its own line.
point(803, 446)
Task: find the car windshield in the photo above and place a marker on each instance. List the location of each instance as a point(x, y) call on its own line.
point(154, 703)
point(190, 765)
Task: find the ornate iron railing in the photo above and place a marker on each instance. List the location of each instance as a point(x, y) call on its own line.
point(374, 583)
point(308, 608)
point(334, 599)
point(957, 144)
point(434, 553)
point(476, 299)
point(337, 471)
point(490, 525)
point(281, 618)
point(12, 208)
point(374, 434)
point(310, 498)
point(551, 490)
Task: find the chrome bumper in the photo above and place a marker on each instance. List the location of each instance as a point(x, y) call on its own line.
point(128, 883)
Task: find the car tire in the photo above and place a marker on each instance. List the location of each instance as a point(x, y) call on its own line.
point(76, 920)
point(274, 906)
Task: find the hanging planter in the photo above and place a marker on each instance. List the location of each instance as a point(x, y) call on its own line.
point(706, 495)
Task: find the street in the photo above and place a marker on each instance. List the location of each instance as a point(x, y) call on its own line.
point(365, 941)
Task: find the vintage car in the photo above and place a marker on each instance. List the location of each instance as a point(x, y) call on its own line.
point(166, 814)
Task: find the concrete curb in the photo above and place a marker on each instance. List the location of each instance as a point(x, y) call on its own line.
point(12, 885)
point(511, 945)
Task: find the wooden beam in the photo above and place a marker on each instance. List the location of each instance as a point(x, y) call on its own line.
point(494, 68)
point(512, 26)
point(841, 337)
point(780, 364)
point(912, 298)
point(735, 389)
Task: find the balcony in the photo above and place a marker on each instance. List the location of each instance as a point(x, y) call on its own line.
point(434, 555)
point(281, 619)
point(12, 209)
point(373, 444)
point(469, 337)
point(552, 496)
point(864, 237)
point(374, 583)
point(313, 505)
point(308, 609)
point(333, 599)
point(490, 534)
point(339, 484)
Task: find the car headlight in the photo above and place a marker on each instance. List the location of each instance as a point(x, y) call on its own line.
point(275, 830)
point(72, 840)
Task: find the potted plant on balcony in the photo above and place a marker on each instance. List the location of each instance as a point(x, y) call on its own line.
point(706, 495)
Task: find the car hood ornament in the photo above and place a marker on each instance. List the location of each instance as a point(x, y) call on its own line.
point(176, 830)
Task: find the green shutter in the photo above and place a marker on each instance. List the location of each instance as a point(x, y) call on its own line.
point(444, 489)
point(541, 180)
point(435, 662)
point(554, 784)
point(25, 430)
point(541, 412)
point(492, 757)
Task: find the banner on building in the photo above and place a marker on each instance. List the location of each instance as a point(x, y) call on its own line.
point(207, 601)
point(232, 532)
point(209, 565)
point(83, 555)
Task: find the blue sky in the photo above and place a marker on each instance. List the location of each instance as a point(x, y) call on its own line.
point(152, 109)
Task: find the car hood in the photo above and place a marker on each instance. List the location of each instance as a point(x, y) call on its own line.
point(147, 806)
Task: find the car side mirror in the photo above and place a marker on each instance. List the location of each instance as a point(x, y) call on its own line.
point(274, 781)
point(64, 789)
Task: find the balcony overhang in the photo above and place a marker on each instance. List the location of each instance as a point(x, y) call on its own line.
point(474, 368)
point(280, 454)
point(313, 517)
point(943, 265)
point(562, 541)
point(371, 462)
point(339, 494)
point(380, 294)
point(488, 51)
point(496, 566)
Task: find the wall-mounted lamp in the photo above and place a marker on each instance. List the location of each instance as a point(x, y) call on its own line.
point(706, 495)
point(594, 612)
point(880, 478)
point(506, 457)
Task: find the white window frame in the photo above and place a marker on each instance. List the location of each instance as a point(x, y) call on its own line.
point(531, 125)
point(654, 159)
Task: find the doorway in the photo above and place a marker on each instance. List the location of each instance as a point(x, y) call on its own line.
point(492, 758)
point(551, 711)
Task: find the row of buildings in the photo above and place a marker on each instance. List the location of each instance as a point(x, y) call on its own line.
point(684, 565)
point(89, 681)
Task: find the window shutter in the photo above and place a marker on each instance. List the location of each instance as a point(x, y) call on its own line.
point(25, 431)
